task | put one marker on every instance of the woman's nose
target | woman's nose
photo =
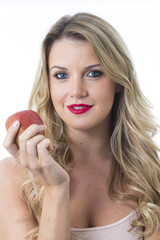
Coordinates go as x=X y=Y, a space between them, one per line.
x=78 y=89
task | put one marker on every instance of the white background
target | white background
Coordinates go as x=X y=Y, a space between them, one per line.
x=23 y=25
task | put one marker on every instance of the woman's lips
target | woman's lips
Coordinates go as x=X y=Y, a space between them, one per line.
x=79 y=108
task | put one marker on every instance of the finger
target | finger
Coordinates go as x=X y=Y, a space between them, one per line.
x=44 y=148
x=9 y=142
x=31 y=146
x=31 y=131
x=25 y=137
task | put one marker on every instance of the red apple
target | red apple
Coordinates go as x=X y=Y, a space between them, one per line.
x=26 y=118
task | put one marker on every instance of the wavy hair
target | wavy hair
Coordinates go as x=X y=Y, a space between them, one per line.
x=135 y=171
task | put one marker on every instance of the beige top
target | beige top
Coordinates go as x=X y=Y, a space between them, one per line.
x=117 y=230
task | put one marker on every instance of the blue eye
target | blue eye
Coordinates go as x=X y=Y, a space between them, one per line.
x=61 y=75
x=95 y=74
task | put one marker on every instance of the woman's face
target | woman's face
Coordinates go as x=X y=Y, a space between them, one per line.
x=81 y=92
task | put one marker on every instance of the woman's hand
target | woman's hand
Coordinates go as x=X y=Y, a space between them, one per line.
x=34 y=154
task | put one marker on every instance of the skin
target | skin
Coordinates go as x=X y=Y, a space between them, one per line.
x=79 y=84
x=73 y=81
x=77 y=198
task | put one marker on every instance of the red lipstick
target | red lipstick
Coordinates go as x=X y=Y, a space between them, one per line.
x=79 y=108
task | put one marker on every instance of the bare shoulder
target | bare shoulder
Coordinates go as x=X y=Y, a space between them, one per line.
x=15 y=217
x=9 y=165
x=12 y=173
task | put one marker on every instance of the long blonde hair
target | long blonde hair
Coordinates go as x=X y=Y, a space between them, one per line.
x=135 y=172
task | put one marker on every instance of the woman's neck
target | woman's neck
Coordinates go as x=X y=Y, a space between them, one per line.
x=89 y=146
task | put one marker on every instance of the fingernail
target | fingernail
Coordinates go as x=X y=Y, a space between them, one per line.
x=15 y=124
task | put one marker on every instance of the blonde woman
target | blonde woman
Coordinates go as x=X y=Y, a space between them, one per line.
x=96 y=173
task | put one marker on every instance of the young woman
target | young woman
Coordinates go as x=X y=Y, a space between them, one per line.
x=96 y=173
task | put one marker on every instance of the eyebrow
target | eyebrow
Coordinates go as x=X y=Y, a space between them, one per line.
x=63 y=68
x=88 y=67
x=94 y=65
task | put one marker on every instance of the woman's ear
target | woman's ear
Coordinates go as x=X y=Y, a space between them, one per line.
x=118 y=88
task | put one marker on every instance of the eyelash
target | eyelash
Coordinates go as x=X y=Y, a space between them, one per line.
x=62 y=75
x=96 y=72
